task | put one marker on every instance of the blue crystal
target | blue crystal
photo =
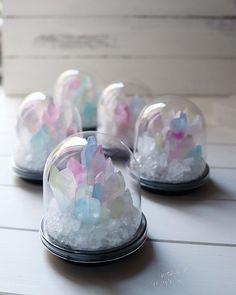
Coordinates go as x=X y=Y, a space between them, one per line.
x=179 y=124
x=88 y=210
x=40 y=141
x=88 y=151
x=98 y=192
x=197 y=152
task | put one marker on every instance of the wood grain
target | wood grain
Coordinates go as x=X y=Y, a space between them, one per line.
x=120 y=37
x=165 y=268
x=68 y=8
x=162 y=75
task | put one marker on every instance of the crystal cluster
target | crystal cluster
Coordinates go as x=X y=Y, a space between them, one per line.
x=79 y=89
x=168 y=152
x=118 y=114
x=90 y=208
x=41 y=126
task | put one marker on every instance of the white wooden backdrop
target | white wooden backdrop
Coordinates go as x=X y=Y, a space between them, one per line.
x=173 y=46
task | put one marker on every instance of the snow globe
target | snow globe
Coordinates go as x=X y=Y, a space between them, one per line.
x=92 y=210
x=41 y=125
x=118 y=109
x=82 y=90
x=170 y=146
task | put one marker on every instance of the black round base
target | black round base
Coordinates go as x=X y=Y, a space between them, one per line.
x=116 y=154
x=175 y=188
x=93 y=128
x=30 y=176
x=96 y=257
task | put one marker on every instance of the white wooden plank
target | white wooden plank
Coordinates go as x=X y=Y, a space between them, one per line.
x=169 y=218
x=190 y=218
x=123 y=7
x=162 y=75
x=221 y=134
x=117 y=37
x=229 y=108
x=221 y=155
x=21 y=207
x=222 y=185
x=7 y=175
x=158 y=268
x=8 y=144
x=205 y=104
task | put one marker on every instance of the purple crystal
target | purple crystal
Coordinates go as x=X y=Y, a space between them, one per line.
x=97 y=164
x=109 y=168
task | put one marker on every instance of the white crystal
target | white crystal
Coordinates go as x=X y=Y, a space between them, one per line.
x=71 y=232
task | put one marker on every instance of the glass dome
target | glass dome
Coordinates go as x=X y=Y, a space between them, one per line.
x=81 y=89
x=92 y=200
x=41 y=125
x=170 y=145
x=118 y=109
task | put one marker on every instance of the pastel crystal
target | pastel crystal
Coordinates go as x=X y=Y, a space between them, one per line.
x=77 y=169
x=97 y=164
x=92 y=195
x=169 y=152
x=41 y=125
x=178 y=126
x=87 y=210
x=68 y=181
x=121 y=115
x=80 y=90
x=118 y=113
x=40 y=146
x=57 y=188
x=88 y=151
x=98 y=192
x=52 y=114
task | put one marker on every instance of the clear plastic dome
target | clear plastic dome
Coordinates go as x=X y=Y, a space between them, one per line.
x=170 y=144
x=91 y=197
x=41 y=125
x=118 y=109
x=81 y=89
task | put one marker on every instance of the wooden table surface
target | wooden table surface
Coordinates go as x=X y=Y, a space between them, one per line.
x=191 y=247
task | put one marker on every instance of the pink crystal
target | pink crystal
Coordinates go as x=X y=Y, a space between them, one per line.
x=71 y=87
x=52 y=114
x=181 y=149
x=77 y=170
x=121 y=115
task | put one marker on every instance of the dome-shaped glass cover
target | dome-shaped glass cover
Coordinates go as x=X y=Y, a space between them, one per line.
x=41 y=125
x=170 y=141
x=82 y=90
x=118 y=109
x=91 y=195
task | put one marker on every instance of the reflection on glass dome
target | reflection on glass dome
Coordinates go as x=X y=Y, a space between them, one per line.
x=92 y=201
x=41 y=125
x=82 y=90
x=170 y=145
x=118 y=109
